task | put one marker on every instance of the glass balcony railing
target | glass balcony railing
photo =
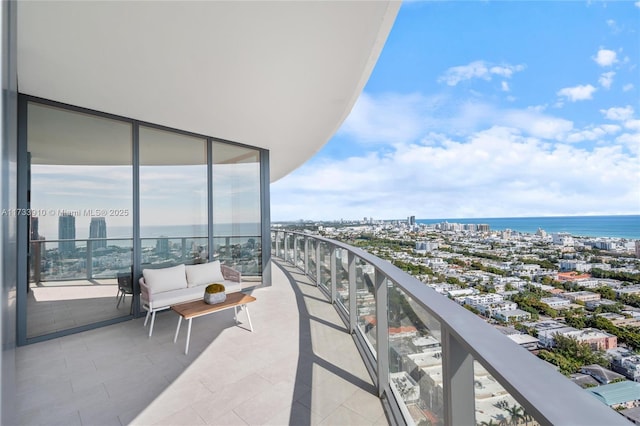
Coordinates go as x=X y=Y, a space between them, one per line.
x=434 y=362
x=96 y=258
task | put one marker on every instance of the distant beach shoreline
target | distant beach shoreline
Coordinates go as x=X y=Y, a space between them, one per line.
x=623 y=226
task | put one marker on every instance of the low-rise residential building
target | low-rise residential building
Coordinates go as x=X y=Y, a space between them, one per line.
x=483 y=299
x=601 y=374
x=556 y=302
x=582 y=296
x=618 y=395
x=574 y=265
x=596 y=339
x=588 y=283
x=512 y=315
x=562 y=239
x=631 y=289
x=625 y=362
x=571 y=276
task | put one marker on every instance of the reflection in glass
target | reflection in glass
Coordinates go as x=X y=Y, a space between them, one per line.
x=236 y=209
x=342 y=278
x=299 y=239
x=415 y=358
x=325 y=266
x=494 y=405
x=311 y=265
x=80 y=169
x=173 y=198
x=365 y=301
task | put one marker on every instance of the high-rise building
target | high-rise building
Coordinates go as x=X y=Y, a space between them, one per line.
x=34 y=229
x=411 y=220
x=162 y=245
x=67 y=231
x=98 y=229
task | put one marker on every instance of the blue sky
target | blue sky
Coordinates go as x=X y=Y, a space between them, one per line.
x=487 y=109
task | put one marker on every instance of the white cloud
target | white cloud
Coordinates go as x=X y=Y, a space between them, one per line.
x=618 y=113
x=633 y=125
x=606 y=79
x=615 y=29
x=593 y=133
x=605 y=57
x=477 y=69
x=505 y=86
x=391 y=118
x=577 y=93
x=492 y=173
x=637 y=4
x=627 y=87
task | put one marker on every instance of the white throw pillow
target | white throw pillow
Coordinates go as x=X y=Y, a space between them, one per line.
x=205 y=273
x=165 y=279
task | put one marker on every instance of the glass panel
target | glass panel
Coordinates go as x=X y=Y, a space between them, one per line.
x=415 y=358
x=237 y=217
x=243 y=253
x=80 y=229
x=274 y=243
x=173 y=198
x=342 y=278
x=166 y=251
x=494 y=405
x=366 y=302
x=311 y=253
x=299 y=261
x=291 y=253
x=325 y=266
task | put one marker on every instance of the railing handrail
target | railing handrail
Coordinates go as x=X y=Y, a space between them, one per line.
x=547 y=395
x=142 y=238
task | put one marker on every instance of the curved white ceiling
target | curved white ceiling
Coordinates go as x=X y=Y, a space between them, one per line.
x=276 y=75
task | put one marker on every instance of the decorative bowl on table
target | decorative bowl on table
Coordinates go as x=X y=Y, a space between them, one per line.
x=214 y=293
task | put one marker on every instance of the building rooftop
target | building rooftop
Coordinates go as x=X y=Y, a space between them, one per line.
x=617 y=393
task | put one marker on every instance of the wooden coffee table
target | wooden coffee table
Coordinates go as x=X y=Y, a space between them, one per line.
x=198 y=308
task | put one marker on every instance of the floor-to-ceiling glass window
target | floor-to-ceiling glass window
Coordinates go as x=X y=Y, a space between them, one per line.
x=236 y=209
x=84 y=170
x=80 y=219
x=173 y=198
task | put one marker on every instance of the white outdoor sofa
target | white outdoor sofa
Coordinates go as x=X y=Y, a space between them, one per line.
x=161 y=288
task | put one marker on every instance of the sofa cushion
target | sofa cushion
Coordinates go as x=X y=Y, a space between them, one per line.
x=165 y=279
x=173 y=297
x=205 y=273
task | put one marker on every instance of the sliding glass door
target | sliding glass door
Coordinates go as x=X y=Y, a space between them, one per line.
x=79 y=219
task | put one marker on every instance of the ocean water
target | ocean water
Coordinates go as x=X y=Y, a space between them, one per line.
x=624 y=226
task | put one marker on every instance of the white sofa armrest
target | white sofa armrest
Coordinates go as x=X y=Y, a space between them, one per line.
x=231 y=274
x=145 y=291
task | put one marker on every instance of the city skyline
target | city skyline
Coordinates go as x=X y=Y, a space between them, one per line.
x=486 y=109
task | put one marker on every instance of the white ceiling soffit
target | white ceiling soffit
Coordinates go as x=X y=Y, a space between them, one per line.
x=276 y=75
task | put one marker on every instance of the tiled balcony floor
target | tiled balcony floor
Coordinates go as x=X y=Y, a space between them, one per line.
x=298 y=367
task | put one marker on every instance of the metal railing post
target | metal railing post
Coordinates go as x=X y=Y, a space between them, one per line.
x=352 y=293
x=333 y=274
x=285 y=244
x=305 y=255
x=295 y=250
x=89 y=259
x=458 y=382
x=382 y=332
x=318 y=265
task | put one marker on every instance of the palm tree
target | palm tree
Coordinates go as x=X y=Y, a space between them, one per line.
x=489 y=423
x=516 y=414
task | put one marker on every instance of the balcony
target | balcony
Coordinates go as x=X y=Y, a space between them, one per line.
x=386 y=350
x=299 y=366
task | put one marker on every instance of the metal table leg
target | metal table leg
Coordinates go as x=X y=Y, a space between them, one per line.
x=175 y=338
x=186 y=347
x=246 y=309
